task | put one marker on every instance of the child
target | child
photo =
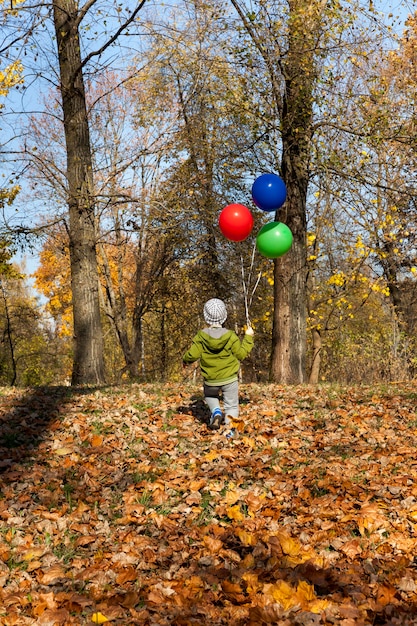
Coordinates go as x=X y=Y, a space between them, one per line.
x=219 y=351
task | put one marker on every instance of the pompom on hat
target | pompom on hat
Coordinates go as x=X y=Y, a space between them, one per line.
x=215 y=311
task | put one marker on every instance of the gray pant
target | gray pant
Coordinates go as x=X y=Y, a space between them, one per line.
x=230 y=393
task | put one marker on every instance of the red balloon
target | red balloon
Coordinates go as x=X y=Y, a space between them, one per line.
x=236 y=222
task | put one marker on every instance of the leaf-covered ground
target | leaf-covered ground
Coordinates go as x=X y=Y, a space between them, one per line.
x=119 y=505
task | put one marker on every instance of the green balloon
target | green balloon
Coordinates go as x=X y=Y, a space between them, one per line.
x=274 y=240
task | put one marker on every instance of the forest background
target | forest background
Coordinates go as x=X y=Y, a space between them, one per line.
x=186 y=105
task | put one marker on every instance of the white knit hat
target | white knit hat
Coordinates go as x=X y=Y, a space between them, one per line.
x=215 y=311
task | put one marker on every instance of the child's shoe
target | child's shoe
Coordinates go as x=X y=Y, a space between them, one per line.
x=216 y=420
x=232 y=434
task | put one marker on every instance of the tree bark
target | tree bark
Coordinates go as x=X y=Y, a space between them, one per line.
x=316 y=361
x=88 y=360
x=288 y=358
x=288 y=354
x=292 y=74
x=8 y=336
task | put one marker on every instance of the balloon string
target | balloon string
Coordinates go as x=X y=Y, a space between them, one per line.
x=251 y=263
x=254 y=289
x=248 y=304
x=245 y=292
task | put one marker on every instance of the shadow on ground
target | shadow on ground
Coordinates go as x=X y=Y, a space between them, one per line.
x=25 y=417
x=197 y=408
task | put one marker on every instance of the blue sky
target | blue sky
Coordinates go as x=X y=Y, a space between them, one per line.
x=23 y=102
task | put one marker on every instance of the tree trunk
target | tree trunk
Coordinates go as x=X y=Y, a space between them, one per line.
x=289 y=323
x=288 y=358
x=8 y=336
x=88 y=363
x=292 y=73
x=316 y=361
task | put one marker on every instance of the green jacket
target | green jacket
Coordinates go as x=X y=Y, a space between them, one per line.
x=220 y=352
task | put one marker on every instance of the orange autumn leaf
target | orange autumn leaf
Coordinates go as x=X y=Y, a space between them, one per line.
x=317 y=606
x=195 y=583
x=371 y=518
x=238 y=423
x=211 y=456
x=234 y=512
x=233 y=591
x=213 y=545
x=33 y=553
x=128 y=574
x=160 y=593
x=254 y=502
x=148 y=529
x=249 y=442
x=231 y=497
x=252 y=583
x=308 y=600
x=196 y=485
x=351 y=548
x=289 y=546
x=293 y=552
x=96 y=441
x=305 y=591
x=248 y=562
x=385 y=595
x=246 y=537
x=51 y=575
x=284 y=594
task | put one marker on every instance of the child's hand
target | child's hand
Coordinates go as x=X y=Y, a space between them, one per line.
x=249 y=331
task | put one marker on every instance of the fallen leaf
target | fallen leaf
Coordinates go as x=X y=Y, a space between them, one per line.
x=51 y=575
x=234 y=512
x=63 y=451
x=127 y=575
x=33 y=553
x=99 y=618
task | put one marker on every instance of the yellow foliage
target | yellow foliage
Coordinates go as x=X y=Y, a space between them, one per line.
x=337 y=279
x=289 y=597
x=252 y=583
x=10 y=76
x=10 y=6
x=52 y=279
x=8 y=195
x=210 y=456
x=284 y=594
x=234 y=512
x=246 y=537
x=318 y=606
x=305 y=591
x=232 y=497
x=289 y=546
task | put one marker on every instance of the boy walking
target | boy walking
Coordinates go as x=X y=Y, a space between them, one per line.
x=220 y=352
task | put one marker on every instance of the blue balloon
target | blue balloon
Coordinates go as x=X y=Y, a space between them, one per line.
x=269 y=192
